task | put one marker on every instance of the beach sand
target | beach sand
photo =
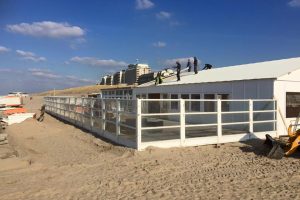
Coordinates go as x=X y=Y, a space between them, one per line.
x=55 y=160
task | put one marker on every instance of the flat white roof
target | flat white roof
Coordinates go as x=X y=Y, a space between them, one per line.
x=261 y=70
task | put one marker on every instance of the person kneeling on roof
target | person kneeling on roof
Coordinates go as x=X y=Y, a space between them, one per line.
x=207 y=66
x=158 y=78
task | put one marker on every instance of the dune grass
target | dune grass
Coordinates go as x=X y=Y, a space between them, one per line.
x=78 y=91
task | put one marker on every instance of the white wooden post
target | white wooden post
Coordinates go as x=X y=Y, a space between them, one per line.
x=275 y=117
x=103 y=113
x=63 y=107
x=182 y=122
x=75 y=110
x=82 y=111
x=250 y=116
x=92 y=113
x=117 y=117
x=139 y=124
x=219 y=118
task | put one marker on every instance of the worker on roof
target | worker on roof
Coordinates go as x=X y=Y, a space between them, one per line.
x=178 y=69
x=207 y=66
x=195 y=65
x=189 y=65
x=158 y=78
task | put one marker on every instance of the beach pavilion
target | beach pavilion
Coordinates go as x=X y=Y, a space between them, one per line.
x=219 y=105
x=278 y=79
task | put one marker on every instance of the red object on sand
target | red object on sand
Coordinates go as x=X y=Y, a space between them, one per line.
x=14 y=110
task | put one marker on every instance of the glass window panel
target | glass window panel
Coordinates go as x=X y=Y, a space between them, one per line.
x=203 y=131
x=128 y=133
x=187 y=103
x=165 y=120
x=261 y=127
x=236 y=117
x=201 y=119
x=174 y=104
x=235 y=129
x=292 y=104
x=209 y=106
x=160 y=134
x=195 y=105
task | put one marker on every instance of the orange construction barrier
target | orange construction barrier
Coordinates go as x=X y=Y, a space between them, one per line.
x=14 y=110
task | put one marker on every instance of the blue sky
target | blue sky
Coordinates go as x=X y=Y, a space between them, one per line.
x=59 y=44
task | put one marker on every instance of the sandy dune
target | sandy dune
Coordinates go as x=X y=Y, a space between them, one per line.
x=54 y=160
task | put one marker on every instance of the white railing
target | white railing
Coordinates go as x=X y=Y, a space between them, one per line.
x=168 y=122
x=110 y=118
x=219 y=121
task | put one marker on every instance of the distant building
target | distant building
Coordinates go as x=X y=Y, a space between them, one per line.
x=109 y=80
x=129 y=76
x=119 y=77
x=134 y=71
x=145 y=78
x=103 y=80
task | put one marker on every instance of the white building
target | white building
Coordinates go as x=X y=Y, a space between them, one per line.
x=278 y=80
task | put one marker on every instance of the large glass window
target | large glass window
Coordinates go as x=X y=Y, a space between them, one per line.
x=225 y=104
x=119 y=92
x=187 y=103
x=292 y=104
x=165 y=105
x=209 y=106
x=195 y=105
x=174 y=104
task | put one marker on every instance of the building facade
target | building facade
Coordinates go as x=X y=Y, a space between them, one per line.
x=134 y=71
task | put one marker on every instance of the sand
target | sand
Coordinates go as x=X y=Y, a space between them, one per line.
x=54 y=160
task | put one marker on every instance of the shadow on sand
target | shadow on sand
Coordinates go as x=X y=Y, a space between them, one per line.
x=85 y=130
x=258 y=147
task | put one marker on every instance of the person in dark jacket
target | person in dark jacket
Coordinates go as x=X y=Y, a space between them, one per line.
x=195 y=65
x=178 y=69
x=158 y=78
x=189 y=65
x=41 y=117
x=207 y=66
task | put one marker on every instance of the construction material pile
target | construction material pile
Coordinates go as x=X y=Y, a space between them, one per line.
x=12 y=110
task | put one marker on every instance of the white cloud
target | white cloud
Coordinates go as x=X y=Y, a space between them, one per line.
x=182 y=61
x=97 y=62
x=159 y=44
x=162 y=15
x=46 y=73
x=38 y=70
x=27 y=55
x=294 y=3
x=47 y=29
x=37 y=80
x=43 y=73
x=143 y=4
x=4 y=49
